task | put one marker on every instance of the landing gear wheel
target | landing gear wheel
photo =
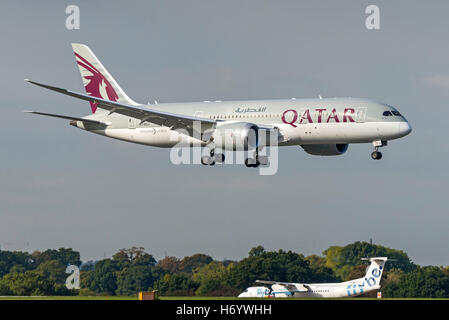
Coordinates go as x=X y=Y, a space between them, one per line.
x=218 y=157
x=252 y=163
x=376 y=155
x=263 y=160
x=206 y=160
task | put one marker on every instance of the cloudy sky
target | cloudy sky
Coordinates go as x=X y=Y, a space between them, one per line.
x=63 y=187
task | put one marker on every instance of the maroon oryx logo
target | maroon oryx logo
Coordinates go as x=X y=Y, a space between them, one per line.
x=98 y=85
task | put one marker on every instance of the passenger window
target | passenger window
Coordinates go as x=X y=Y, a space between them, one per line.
x=396 y=113
x=387 y=113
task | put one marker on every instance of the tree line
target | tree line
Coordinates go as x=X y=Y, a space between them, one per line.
x=132 y=270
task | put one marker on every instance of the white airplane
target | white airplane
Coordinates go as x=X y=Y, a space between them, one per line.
x=320 y=126
x=370 y=282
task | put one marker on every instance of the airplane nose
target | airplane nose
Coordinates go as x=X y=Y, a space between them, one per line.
x=404 y=128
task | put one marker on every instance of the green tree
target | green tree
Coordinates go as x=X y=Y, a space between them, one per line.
x=64 y=255
x=333 y=257
x=256 y=251
x=134 y=256
x=278 y=266
x=103 y=279
x=170 y=264
x=357 y=272
x=17 y=268
x=342 y=259
x=211 y=279
x=319 y=271
x=54 y=272
x=134 y=279
x=176 y=285
x=26 y=284
x=423 y=282
x=194 y=261
x=85 y=280
x=16 y=261
x=4 y=288
x=316 y=261
x=213 y=270
x=88 y=265
x=390 y=281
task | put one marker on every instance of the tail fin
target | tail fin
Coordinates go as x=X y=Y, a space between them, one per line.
x=97 y=81
x=375 y=270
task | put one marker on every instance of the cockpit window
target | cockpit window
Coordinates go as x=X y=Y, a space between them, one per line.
x=396 y=113
x=387 y=113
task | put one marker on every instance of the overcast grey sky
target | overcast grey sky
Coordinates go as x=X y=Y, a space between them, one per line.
x=60 y=186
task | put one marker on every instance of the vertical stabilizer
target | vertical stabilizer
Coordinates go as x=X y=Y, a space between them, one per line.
x=374 y=272
x=97 y=81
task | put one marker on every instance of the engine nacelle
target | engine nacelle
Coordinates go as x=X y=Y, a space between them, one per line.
x=325 y=149
x=236 y=136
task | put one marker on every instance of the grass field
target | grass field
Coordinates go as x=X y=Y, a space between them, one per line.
x=83 y=298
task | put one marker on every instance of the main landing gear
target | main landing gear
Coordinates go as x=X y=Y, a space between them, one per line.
x=256 y=161
x=253 y=162
x=377 y=155
x=213 y=158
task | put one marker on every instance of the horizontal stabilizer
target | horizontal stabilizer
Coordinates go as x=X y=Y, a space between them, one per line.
x=172 y=120
x=377 y=258
x=67 y=117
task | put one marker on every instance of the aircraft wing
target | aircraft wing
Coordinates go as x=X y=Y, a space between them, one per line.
x=168 y=119
x=288 y=285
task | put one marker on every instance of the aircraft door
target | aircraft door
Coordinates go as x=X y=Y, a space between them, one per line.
x=360 y=115
x=199 y=114
x=132 y=123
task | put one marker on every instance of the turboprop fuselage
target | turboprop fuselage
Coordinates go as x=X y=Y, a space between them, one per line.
x=369 y=282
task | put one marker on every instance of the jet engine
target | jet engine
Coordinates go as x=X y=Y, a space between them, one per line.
x=325 y=149
x=236 y=136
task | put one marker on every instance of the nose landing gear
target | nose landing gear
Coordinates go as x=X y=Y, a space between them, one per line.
x=377 y=155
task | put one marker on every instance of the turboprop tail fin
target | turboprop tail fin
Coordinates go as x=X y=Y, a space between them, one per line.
x=375 y=270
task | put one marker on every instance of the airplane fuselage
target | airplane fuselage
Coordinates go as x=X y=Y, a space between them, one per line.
x=300 y=121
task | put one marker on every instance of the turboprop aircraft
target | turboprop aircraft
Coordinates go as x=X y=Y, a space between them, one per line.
x=274 y=289
x=321 y=126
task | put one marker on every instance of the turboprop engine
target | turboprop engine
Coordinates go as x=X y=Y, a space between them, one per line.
x=325 y=149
